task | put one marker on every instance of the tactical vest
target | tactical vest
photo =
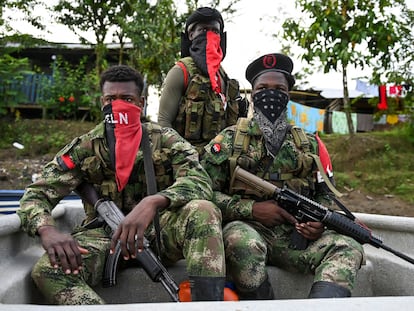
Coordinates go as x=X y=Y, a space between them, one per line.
x=98 y=172
x=202 y=113
x=307 y=160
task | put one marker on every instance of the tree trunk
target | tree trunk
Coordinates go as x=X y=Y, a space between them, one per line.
x=347 y=103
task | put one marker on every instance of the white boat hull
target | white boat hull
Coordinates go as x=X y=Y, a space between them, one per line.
x=385 y=279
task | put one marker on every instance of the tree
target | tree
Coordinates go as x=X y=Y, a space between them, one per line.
x=93 y=15
x=13 y=70
x=155 y=38
x=12 y=73
x=25 y=6
x=155 y=32
x=152 y=27
x=340 y=33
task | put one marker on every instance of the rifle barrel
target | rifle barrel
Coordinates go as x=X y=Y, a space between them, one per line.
x=397 y=253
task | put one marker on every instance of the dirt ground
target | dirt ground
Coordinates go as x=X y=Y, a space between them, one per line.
x=16 y=173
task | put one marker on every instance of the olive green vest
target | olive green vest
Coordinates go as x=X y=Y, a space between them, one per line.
x=202 y=113
x=306 y=158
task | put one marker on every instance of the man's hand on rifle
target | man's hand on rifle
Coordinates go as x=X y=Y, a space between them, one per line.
x=311 y=230
x=63 y=250
x=270 y=214
x=130 y=231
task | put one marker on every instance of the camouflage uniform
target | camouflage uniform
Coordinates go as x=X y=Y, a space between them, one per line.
x=191 y=225
x=250 y=245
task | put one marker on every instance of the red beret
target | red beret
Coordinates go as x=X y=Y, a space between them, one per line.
x=271 y=62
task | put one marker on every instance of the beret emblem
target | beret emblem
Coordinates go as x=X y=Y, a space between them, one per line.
x=269 y=61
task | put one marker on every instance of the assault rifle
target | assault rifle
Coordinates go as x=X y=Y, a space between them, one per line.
x=109 y=213
x=304 y=209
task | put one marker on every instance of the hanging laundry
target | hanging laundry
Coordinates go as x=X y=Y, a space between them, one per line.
x=340 y=122
x=365 y=122
x=309 y=118
x=366 y=88
x=395 y=90
x=392 y=119
x=382 y=105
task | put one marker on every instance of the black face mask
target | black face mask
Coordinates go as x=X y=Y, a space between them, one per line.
x=271 y=103
x=206 y=52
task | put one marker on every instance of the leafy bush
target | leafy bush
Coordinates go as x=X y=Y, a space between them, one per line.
x=12 y=71
x=70 y=88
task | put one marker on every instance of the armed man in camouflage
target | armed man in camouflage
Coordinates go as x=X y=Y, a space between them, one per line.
x=198 y=99
x=257 y=230
x=111 y=158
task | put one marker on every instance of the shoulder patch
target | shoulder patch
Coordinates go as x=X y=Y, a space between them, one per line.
x=64 y=158
x=215 y=153
x=65 y=162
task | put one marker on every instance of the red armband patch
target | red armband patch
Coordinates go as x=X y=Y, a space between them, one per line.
x=66 y=162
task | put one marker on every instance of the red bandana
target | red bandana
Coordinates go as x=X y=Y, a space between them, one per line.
x=214 y=56
x=128 y=134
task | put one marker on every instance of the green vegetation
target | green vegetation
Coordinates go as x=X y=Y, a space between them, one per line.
x=40 y=137
x=376 y=162
x=341 y=34
x=12 y=73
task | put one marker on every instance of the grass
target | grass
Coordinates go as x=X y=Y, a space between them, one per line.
x=375 y=162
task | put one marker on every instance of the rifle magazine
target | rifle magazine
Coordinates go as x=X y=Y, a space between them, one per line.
x=111 y=267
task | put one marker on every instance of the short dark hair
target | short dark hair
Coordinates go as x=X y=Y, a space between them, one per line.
x=122 y=73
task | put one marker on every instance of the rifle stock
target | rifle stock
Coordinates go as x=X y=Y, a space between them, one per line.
x=305 y=209
x=112 y=215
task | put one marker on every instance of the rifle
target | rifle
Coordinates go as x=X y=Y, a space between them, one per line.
x=304 y=209
x=109 y=213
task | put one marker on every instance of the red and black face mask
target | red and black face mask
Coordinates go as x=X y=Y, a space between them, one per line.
x=123 y=134
x=207 y=54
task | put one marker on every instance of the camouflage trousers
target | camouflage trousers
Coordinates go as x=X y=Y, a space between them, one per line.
x=193 y=232
x=251 y=246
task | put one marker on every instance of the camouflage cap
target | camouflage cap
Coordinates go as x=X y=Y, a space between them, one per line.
x=271 y=62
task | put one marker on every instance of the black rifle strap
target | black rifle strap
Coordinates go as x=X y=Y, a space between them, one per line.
x=151 y=183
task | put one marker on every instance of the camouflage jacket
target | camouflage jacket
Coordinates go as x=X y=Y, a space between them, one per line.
x=291 y=167
x=179 y=175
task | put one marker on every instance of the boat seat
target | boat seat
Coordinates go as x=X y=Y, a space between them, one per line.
x=287 y=285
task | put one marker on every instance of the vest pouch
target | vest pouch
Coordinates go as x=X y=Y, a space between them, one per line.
x=233 y=96
x=232 y=112
x=305 y=164
x=195 y=98
x=300 y=185
x=193 y=120
x=179 y=122
x=213 y=119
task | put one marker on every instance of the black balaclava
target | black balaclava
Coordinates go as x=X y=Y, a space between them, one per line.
x=207 y=55
x=204 y=14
